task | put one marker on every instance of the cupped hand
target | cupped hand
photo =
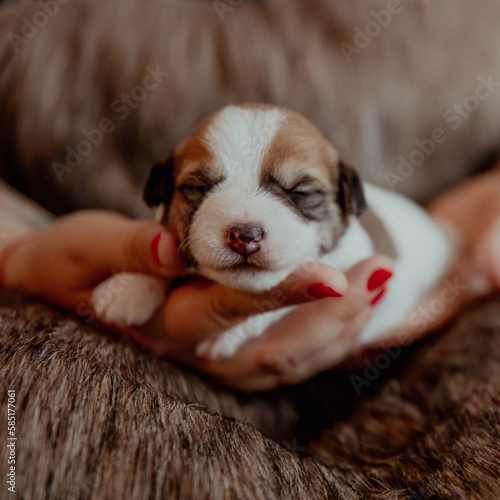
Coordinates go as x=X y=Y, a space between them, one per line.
x=315 y=336
x=64 y=263
x=471 y=211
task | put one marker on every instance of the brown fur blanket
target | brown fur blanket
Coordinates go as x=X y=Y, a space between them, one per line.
x=378 y=105
x=98 y=418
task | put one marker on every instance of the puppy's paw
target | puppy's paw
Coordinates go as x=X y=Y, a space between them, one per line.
x=217 y=349
x=222 y=347
x=128 y=299
x=229 y=342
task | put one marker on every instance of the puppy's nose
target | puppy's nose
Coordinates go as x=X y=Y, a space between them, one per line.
x=244 y=239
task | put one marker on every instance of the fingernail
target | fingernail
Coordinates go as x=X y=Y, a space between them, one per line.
x=154 y=249
x=378 y=296
x=319 y=291
x=163 y=249
x=378 y=278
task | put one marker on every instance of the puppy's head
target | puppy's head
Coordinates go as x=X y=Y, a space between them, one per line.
x=252 y=193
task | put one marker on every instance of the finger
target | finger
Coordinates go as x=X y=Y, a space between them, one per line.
x=435 y=309
x=307 y=283
x=151 y=248
x=336 y=351
x=488 y=250
x=317 y=336
x=218 y=308
x=308 y=340
x=251 y=377
x=110 y=241
x=365 y=278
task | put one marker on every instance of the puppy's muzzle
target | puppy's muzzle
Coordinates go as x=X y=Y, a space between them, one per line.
x=245 y=238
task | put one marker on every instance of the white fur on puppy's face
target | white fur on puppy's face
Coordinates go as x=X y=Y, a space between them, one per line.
x=287 y=243
x=244 y=150
x=238 y=140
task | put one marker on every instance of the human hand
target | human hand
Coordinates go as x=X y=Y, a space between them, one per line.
x=473 y=209
x=315 y=336
x=64 y=263
x=472 y=212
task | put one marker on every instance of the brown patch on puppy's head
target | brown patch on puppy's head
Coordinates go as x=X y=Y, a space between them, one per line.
x=255 y=170
x=181 y=180
x=300 y=157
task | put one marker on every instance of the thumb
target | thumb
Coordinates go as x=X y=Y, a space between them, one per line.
x=112 y=241
x=150 y=247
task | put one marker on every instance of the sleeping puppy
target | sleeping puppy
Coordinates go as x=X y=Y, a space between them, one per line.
x=254 y=192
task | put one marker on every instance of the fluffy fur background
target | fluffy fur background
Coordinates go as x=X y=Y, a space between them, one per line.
x=373 y=107
x=97 y=419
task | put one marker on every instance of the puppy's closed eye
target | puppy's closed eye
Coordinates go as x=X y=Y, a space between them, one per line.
x=195 y=187
x=309 y=200
x=304 y=195
x=195 y=191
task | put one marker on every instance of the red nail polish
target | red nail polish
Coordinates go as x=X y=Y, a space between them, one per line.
x=378 y=296
x=154 y=249
x=378 y=278
x=319 y=291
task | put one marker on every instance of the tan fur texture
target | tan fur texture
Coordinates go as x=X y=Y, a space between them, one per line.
x=372 y=106
x=96 y=418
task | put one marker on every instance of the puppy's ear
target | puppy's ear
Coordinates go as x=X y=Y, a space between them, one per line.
x=351 y=196
x=160 y=184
